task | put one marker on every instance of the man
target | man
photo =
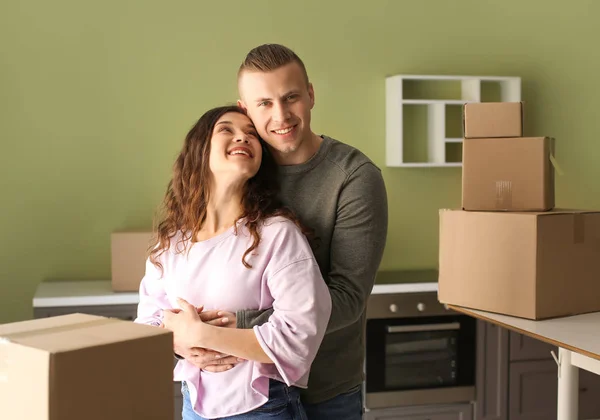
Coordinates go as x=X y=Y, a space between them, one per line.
x=335 y=190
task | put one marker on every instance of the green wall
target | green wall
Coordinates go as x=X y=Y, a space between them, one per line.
x=95 y=98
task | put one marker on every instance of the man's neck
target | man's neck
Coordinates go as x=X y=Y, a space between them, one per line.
x=308 y=149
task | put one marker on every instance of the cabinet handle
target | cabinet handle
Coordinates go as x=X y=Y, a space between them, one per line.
x=583 y=389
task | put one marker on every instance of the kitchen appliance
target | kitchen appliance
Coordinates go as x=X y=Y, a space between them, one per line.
x=417 y=350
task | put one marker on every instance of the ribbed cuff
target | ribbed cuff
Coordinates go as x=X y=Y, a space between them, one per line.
x=240 y=317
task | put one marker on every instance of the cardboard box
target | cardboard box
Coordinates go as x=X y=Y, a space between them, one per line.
x=493 y=119
x=524 y=264
x=80 y=366
x=508 y=174
x=128 y=259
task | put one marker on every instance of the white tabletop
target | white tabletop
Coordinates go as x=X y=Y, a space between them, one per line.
x=578 y=333
x=99 y=292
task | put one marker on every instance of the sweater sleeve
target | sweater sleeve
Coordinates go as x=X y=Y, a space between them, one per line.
x=301 y=310
x=153 y=297
x=357 y=244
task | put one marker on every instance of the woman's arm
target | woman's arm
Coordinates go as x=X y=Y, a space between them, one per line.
x=152 y=297
x=301 y=310
x=190 y=331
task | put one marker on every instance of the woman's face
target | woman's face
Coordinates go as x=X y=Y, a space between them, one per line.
x=235 y=151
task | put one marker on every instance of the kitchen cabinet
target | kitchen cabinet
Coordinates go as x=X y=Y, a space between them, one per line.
x=516 y=378
x=532 y=390
x=433 y=412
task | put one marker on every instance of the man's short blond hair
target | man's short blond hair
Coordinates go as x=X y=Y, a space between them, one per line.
x=269 y=57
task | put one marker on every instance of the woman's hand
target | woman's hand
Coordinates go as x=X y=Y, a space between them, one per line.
x=186 y=325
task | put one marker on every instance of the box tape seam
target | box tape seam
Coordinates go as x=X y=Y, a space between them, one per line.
x=8 y=338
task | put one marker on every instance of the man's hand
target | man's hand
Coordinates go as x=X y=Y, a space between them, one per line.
x=211 y=361
x=219 y=318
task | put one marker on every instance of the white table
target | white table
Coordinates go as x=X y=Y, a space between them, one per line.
x=578 y=341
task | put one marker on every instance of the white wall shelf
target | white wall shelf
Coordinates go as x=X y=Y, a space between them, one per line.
x=402 y=93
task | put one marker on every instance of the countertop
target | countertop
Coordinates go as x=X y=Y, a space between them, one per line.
x=99 y=292
x=405 y=281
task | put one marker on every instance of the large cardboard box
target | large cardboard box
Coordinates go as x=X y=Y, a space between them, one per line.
x=531 y=265
x=508 y=174
x=128 y=259
x=80 y=366
x=493 y=119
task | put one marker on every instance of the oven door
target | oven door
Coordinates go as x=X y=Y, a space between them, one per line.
x=424 y=360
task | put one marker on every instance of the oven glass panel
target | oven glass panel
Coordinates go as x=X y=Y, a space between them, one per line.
x=417 y=359
x=420 y=353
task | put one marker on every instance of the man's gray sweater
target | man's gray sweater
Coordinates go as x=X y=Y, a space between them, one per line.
x=340 y=194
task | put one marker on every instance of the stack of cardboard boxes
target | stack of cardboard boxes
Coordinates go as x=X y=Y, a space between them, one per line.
x=508 y=250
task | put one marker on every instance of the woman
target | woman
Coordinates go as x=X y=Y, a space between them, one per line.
x=227 y=243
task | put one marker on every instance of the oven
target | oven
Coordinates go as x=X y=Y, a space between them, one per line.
x=417 y=352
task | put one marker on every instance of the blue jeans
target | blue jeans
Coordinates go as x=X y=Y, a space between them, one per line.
x=283 y=404
x=346 y=406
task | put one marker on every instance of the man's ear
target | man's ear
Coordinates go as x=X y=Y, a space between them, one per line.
x=242 y=105
x=311 y=95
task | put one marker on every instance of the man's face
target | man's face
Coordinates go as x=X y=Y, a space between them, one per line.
x=279 y=103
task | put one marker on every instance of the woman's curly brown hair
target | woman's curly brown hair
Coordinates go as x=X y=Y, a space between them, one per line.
x=188 y=193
